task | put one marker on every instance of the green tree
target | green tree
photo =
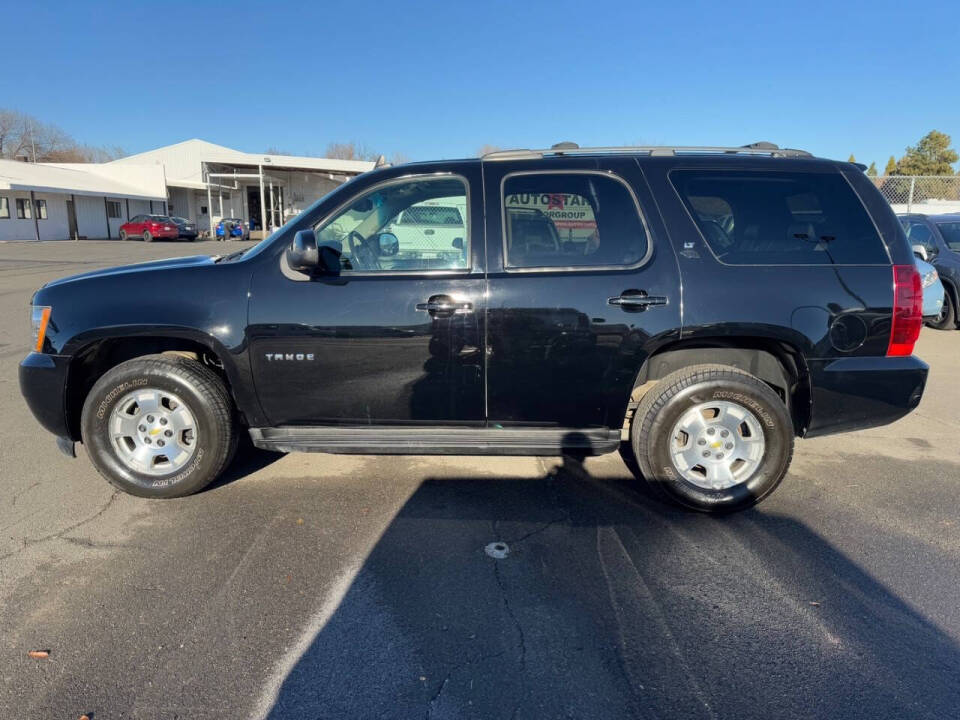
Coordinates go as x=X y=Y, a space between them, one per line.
x=891 y=168
x=931 y=156
x=872 y=170
x=851 y=159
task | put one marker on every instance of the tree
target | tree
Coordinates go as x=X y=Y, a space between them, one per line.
x=872 y=170
x=22 y=136
x=488 y=148
x=350 y=151
x=851 y=159
x=931 y=156
x=891 y=168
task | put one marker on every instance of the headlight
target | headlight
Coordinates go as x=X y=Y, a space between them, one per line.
x=39 y=317
x=930 y=278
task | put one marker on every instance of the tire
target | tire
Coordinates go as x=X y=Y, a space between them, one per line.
x=671 y=402
x=147 y=237
x=947 y=319
x=183 y=384
x=123 y=236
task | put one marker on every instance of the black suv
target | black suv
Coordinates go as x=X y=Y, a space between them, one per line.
x=694 y=308
x=936 y=239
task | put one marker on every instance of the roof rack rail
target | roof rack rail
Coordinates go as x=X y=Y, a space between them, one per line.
x=568 y=148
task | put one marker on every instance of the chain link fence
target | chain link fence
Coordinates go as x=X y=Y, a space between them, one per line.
x=928 y=194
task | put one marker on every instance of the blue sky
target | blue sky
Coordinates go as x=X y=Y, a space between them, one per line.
x=437 y=80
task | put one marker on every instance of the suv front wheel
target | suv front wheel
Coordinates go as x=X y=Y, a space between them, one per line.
x=712 y=438
x=159 y=426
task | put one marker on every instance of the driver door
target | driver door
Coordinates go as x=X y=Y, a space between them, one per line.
x=392 y=337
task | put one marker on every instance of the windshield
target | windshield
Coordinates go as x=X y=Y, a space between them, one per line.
x=180 y=220
x=951 y=234
x=160 y=218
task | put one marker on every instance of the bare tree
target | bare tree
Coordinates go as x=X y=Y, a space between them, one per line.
x=23 y=136
x=350 y=151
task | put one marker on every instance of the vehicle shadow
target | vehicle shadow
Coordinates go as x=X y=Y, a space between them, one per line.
x=247 y=460
x=610 y=604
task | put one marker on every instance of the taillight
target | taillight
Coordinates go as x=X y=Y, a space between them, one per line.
x=907 y=310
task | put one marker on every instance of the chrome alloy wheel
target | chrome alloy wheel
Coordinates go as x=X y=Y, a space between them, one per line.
x=153 y=431
x=716 y=445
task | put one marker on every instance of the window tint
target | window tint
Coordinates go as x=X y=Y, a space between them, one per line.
x=4 y=208
x=571 y=220
x=951 y=234
x=413 y=226
x=787 y=218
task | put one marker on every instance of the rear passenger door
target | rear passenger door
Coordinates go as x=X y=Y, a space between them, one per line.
x=580 y=288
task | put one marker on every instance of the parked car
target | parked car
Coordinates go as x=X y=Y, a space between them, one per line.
x=936 y=239
x=696 y=310
x=149 y=228
x=235 y=228
x=933 y=291
x=187 y=228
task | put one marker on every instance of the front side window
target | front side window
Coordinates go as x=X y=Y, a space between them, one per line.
x=570 y=220
x=951 y=234
x=41 y=209
x=23 y=209
x=4 y=208
x=412 y=225
x=780 y=218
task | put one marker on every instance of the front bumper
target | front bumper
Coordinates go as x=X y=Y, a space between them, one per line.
x=43 y=383
x=863 y=392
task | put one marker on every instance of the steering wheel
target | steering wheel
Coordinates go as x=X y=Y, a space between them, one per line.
x=361 y=252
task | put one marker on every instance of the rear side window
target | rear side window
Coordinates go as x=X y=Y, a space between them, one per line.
x=573 y=220
x=780 y=218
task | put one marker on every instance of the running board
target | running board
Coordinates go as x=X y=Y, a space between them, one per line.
x=380 y=440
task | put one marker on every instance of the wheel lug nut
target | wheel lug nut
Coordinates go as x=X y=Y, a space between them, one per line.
x=706 y=453
x=729 y=446
x=710 y=431
x=160 y=443
x=149 y=418
x=701 y=441
x=147 y=440
x=163 y=421
x=723 y=433
x=142 y=428
x=719 y=455
x=169 y=433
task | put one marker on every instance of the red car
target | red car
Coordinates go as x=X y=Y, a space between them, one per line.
x=150 y=227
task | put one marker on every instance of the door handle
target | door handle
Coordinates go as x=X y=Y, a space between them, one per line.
x=443 y=304
x=637 y=300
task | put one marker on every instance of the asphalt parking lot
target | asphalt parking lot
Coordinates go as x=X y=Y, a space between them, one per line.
x=309 y=586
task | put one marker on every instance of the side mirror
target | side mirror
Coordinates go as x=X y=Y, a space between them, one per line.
x=389 y=244
x=458 y=243
x=920 y=251
x=302 y=253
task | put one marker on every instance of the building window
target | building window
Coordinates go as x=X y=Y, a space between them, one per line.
x=41 y=209
x=4 y=208
x=114 y=210
x=203 y=209
x=23 y=209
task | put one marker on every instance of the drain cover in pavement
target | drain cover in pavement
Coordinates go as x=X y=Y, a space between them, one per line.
x=497 y=550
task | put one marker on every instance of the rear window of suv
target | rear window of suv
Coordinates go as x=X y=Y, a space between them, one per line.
x=780 y=218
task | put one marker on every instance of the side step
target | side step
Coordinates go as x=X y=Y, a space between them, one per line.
x=382 y=440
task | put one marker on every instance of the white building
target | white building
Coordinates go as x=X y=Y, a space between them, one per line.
x=194 y=179
x=207 y=182
x=50 y=202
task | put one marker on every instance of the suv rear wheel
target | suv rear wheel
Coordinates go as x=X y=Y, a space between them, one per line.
x=712 y=438
x=159 y=426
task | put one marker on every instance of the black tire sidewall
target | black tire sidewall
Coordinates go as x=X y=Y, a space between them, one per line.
x=103 y=398
x=949 y=321
x=147 y=237
x=777 y=434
